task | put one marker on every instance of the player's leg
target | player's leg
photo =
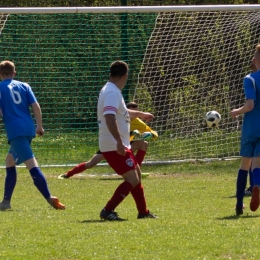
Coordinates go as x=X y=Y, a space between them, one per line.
x=126 y=167
x=255 y=200
x=97 y=158
x=248 y=191
x=10 y=182
x=241 y=183
x=22 y=152
x=251 y=179
x=141 y=147
x=139 y=198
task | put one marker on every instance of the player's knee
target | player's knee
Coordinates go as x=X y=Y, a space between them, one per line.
x=132 y=177
x=145 y=145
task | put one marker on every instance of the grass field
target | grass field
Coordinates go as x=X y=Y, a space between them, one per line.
x=56 y=148
x=194 y=202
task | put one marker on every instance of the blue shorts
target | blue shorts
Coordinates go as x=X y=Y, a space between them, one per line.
x=250 y=148
x=20 y=148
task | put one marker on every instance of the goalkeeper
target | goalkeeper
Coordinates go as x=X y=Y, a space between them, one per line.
x=138 y=128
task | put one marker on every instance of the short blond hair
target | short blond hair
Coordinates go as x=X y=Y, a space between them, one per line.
x=7 y=68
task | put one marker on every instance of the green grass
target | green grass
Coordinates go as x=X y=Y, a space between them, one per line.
x=195 y=203
x=56 y=148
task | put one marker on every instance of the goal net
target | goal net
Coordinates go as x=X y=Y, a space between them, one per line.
x=183 y=63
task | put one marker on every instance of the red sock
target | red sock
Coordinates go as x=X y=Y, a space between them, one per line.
x=120 y=194
x=77 y=169
x=138 y=195
x=140 y=156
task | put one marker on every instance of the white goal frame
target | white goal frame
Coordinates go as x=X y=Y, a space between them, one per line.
x=128 y=9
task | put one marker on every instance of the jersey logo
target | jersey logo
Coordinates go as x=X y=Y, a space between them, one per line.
x=129 y=162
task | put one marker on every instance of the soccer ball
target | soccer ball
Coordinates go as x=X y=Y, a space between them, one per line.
x=213 y=118
x=147 y=135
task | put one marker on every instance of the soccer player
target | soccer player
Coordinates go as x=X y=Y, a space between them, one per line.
x=136 y=145
x=248 y=191
x=250 y=137
x=114 y=143
x=15 y=99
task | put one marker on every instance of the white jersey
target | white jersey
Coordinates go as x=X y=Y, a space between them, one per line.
x=111 y=101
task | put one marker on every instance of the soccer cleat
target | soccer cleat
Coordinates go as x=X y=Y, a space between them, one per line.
x=255 y=201
x=239 y=211
x=248 y=192
x=63 y=176
x=110 y=215
x=136 y=133
x=5 y=206
x=147 y=215
x=55 y=203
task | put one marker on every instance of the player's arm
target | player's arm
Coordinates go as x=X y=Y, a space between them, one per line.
x=250 y=95
x=155 y=135
x=143 y=115
x=113 y=128
x=142 y=127
x=38 y=117
x=248 y=106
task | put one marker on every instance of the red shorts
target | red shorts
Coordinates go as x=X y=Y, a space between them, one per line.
x=121 y=164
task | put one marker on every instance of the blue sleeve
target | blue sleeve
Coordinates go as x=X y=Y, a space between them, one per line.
x=30 y=95
x=249 y=89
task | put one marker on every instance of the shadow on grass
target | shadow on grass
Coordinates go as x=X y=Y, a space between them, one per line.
x=110 y=179
x=237 y=217
x=100 y=221
x=230 y=197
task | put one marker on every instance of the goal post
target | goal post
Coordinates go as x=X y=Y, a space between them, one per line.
x=184 y=61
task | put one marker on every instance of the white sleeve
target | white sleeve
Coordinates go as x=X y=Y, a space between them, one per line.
x=112 y=101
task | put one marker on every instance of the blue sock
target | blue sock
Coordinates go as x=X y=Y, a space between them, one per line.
x=40 y=182
x=241 y=186
x=10 y=182
x=251 y=180
x=256 y=176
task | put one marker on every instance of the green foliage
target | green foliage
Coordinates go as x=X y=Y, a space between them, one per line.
x=66 y=59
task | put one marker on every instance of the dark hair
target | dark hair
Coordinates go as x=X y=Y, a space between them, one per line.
x=132 y=105
x=118 y=69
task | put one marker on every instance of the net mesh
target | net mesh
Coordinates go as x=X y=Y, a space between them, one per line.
x=66 y=58
x=181 y=66
x=194 y=63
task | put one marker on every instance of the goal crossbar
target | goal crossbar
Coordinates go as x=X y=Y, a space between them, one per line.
x=129 y=9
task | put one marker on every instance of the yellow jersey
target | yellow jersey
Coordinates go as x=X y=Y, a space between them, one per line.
x=141 y=126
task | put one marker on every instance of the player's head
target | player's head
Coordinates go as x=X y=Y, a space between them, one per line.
x=119 y=73
x=252 y=65
x=118 y=69
x=132 y=106
x=7 y=69
x=256 y=59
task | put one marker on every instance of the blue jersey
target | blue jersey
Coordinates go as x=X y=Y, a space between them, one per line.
x=251 y=122
x=15 y=99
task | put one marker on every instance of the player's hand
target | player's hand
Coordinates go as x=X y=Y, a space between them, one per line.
x=121 y=149
x=148 y=117
x=39 y=131
x=234 y=113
